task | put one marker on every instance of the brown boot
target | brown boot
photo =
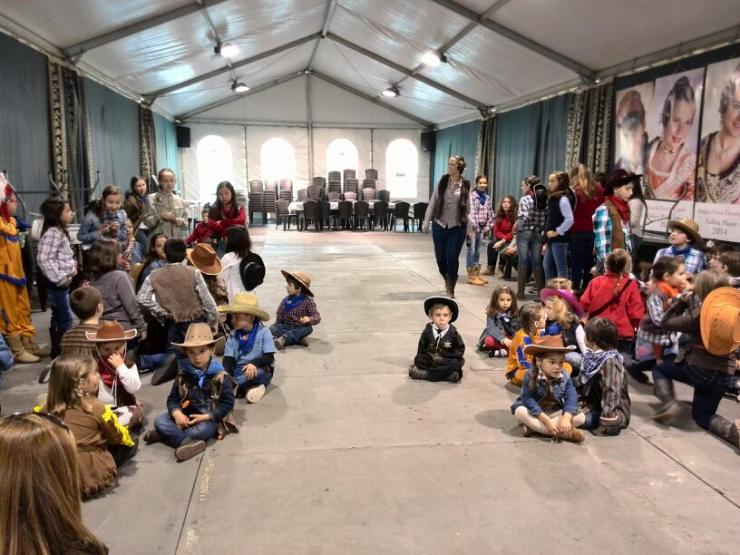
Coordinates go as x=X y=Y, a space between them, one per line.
x=473 y=278
x=478 y=274
x=575 y=435
x=20 y=354
x=488 y=271
x=29 y=342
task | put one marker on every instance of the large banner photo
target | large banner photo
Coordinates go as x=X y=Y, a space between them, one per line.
x=718 y=165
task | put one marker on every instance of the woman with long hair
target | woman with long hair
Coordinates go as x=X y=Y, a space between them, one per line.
x=225 y=213
x=139 y=211
x=589 y=196
x=502 y=237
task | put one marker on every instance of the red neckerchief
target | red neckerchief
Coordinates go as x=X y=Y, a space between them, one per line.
x=107 y=372
x=621 y=206
x=227 y=210
x=668 y=290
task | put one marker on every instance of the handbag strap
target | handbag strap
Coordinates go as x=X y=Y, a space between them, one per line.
x=594 y=313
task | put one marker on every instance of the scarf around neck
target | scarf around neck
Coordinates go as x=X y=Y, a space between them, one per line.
x=621 y=206
x=668 y=290
x=593 y=361
x=246 y=338
x=292 y=301
x=482 y=197
x=200 y=375
x=680 y=252
x=107 y=373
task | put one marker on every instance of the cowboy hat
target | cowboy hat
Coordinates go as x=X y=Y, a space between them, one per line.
x=620 y=178
x=300 y=277
x=689 y=227
x=567 y=296
x=109 y=330
x=431 y=301
x=719 y=321
x=198 y=335
x=548 y=344
x=245 y=303
x=252 y=271
x=203 y=257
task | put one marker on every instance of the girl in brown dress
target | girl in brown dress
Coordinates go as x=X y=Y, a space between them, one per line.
x=103 y=444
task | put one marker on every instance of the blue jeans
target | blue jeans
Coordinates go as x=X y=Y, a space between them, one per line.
x=529 y=250
x=61 y=314
x=291 y=335
x=556 y=260
x=148 y=362
x=581 y=258
x=174 y=436
x=142 y=242
x=261 y=377
x=448 y=243
x=473 y=258
x=709 y=387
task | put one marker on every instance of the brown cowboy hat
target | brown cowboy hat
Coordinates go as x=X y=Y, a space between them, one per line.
x=689 y=227
x=198 y=335
x=109 y=330
x=300 y=277
x=245 y=303
x=548 y=344
x=620 y=178
x=719 y=321
x=203 y=257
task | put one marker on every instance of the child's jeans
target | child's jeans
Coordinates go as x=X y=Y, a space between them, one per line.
x=534 y=423
x=473 y=256
x=174 y=436
x=556 y=260
x=291 y=334
x=261 y=377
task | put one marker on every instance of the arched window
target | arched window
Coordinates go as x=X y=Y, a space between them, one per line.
x=277 y=159
x=214 y=165
x=401 y=168
x=341 y=155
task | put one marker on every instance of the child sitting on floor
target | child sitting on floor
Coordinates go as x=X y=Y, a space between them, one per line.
x=103 y=443
x=201 y=400
x=118 y=381
x=564 y=314
x=439 y=356
x=297 y=313
x=201 y=233
x=249 y=355
x=602 y=381
x=87 y=305
x=532 y=319
x=548 y=403
x=501 y=322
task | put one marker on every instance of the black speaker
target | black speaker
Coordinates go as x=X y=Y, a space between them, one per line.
x=428 y=141
x=183 y=137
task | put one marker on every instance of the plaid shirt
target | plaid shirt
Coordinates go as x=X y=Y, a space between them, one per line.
x=603 y=233
x=693 y=260
x=529 y=218
x=650 y=329
x=292 y=316
x=480 y=215
x=55 y=256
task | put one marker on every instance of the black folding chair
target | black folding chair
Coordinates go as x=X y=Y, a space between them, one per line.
x=420 y=212
x=362 y=209
x=310 y=214
x=401 y=213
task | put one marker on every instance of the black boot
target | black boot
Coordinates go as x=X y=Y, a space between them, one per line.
x=56 y=342
x=451 y=287
x=721 y=427
x=521 y=283
x=663 y=390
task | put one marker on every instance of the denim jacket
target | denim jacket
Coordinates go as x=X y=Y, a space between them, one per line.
x=200 y=399
x=563 y=393
x=89 y=231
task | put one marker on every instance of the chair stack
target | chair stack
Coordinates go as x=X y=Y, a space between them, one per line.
x=351 y=186
x=368 y=193
x=371 y=173
x=255 y=199
x=335 y=176
x=335 y=187
x=269 y=201
x=320 y=181
x=384 y=195
x=285 y=190
x=302 y=194
x=314 y=192
x=349 y=174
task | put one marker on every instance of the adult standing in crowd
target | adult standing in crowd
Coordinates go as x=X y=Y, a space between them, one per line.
x=612 y=218
x=139 y=211
x=170 y=214
x=529 y=229
x=225 y=213
x=448 y=207
x=589 y=195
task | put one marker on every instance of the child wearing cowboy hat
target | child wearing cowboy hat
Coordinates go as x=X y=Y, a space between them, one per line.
x=548 y=403
x=710 y=317
x=564 y=314
x=684 y=239
x=201 y=400
x=297 y=313
x=439 y=356
x=249 y=355
x=205 y=259
x=118 y=381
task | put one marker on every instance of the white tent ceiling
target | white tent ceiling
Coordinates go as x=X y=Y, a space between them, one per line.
x=499 y=52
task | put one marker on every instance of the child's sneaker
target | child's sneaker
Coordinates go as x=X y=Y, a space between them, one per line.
x=575 y=435
x=417 y=373
x=256 y=393
x=280 y=343
x=152 y=436
x=454 y=377
x=528 y=432
x=189 y=448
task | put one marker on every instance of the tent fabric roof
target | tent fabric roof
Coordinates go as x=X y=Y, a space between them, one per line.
x=498 y=51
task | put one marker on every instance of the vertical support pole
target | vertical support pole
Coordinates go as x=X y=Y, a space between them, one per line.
x=309 y=112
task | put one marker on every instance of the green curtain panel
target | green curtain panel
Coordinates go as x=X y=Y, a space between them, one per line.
x=553 y=130
x=516 y=148
x=460 y=139
x=166 y=144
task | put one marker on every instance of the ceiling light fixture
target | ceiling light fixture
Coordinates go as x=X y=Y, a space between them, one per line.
x=390 y=92
x=430 y=59
x=229 y=50
x=239 y=87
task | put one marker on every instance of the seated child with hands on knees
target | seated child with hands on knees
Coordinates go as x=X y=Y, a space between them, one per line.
x=532 y=319
x=297 y=313
x=602 y=381
x=249 y=355
x=201 y=400
x=439 y=356
x=103 y=443
x=548 y=403
x=501 y=322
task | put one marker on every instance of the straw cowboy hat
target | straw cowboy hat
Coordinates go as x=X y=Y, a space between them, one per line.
x=198 y=335
x=567 y=296
x=203 y=257
x=548 y=344
x=109 y=330
x=689 y=227
x=431 y=301
x=300 y=277
x=245 y=303
x=719 y=321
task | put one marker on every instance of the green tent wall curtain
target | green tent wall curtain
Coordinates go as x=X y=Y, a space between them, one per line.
x=166 y=144
x=459 y=139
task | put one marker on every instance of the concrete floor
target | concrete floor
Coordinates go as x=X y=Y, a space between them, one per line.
x=345 y=454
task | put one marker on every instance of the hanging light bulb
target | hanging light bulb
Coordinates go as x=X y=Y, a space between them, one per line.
x=239 y=87
x=229 y=50
x=390 y=92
